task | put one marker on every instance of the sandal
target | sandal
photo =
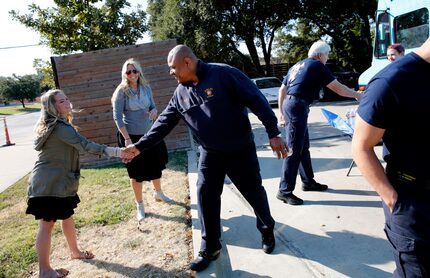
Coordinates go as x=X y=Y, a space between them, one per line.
x=85 y=255
x=62 y=272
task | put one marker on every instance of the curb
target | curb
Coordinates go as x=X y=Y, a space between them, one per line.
x=215 y=269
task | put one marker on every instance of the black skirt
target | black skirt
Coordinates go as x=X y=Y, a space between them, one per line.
x=149 y=164
x=52 y=208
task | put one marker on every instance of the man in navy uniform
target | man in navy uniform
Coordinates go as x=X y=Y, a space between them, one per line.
x=299 y=89
x=212 y=99
x=395 y=108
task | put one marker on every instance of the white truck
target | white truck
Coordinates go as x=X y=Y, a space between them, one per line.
x=397 y=21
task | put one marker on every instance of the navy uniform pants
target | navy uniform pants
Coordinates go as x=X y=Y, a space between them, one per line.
x=408 y=226
x=244 y=171
x=296 y=111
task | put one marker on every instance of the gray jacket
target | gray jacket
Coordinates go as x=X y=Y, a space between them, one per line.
x=57 y=170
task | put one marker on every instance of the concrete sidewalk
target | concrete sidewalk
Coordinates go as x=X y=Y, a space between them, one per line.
x=337 y=233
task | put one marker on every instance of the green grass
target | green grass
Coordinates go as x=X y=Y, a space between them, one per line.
x=18 y=232
x=105 y=200
x=12 y=110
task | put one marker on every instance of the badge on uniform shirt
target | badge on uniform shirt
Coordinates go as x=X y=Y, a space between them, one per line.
x=209 y=92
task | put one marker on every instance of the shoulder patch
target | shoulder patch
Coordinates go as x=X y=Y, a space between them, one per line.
x=209 y=92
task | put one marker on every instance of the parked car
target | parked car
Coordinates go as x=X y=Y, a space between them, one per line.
x=346 y=77
x=269 y=87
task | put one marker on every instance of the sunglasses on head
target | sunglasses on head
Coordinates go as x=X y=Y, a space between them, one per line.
x=131 y=71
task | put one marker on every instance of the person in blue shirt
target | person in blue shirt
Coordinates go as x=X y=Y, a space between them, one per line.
x=212 y=99
x=300 y=88
x=395 y=109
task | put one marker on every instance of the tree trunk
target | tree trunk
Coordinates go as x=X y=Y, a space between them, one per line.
x=254 y=55
x=367 y=38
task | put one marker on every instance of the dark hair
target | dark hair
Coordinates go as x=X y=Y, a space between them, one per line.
x=398 y=47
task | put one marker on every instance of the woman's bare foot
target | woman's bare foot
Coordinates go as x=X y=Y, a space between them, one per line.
x=57 y=273
x=82 y=255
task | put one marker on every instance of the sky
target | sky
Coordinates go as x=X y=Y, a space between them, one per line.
x=18 y=60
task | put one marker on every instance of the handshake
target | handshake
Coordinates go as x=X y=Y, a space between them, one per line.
x=126 y=154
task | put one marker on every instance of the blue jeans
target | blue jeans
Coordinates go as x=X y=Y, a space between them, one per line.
x=296 y=111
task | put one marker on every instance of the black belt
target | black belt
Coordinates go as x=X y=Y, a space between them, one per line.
x=298 y=98
x=414 y=182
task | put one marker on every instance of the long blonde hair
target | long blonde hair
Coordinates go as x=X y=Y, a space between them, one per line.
x=124 y=85
x=49 y=113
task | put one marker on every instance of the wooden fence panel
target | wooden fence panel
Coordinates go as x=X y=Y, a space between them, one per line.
x=89 y=80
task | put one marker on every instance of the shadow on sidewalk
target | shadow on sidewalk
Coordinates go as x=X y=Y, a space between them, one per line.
x=345 y=252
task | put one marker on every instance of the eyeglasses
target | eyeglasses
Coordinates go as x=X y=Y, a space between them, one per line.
x=131 y=71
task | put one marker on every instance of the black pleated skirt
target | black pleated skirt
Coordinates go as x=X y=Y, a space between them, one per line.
x=52 y=208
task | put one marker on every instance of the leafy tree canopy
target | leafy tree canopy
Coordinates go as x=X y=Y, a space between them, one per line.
x=45 y=74
x=20 y=88
x=190 y=23
x=347 y=25
x=213 y=28
x=80 y=25
x=295 y=39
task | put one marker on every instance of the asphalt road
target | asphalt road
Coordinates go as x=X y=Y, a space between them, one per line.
x=17 y=160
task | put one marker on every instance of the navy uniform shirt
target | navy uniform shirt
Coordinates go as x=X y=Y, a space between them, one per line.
x=397 y=99
x=306 y=78
x=215 y=110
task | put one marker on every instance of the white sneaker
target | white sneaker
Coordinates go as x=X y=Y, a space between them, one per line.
x=160 y=197
x=140 y=211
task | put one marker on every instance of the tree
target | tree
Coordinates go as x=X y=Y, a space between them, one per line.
x=295 y=39
x=45 y=74
x=78 y=25
x=347 y=24
x=344 y=25
x=20 y=88
x=228 y=23
x=2 y=83
x=190 y=23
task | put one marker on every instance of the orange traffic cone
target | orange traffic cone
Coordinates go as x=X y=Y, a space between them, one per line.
x=6 y=132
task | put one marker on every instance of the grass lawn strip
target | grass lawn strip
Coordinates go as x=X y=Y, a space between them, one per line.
x=106 y=225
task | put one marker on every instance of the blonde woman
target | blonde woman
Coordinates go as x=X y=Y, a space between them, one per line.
x=134 y=112
x=54 y=180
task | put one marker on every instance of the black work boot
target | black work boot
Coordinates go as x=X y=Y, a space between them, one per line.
x=268 y=242
x=314 y=186
x=203 y=260
x=289 y=198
